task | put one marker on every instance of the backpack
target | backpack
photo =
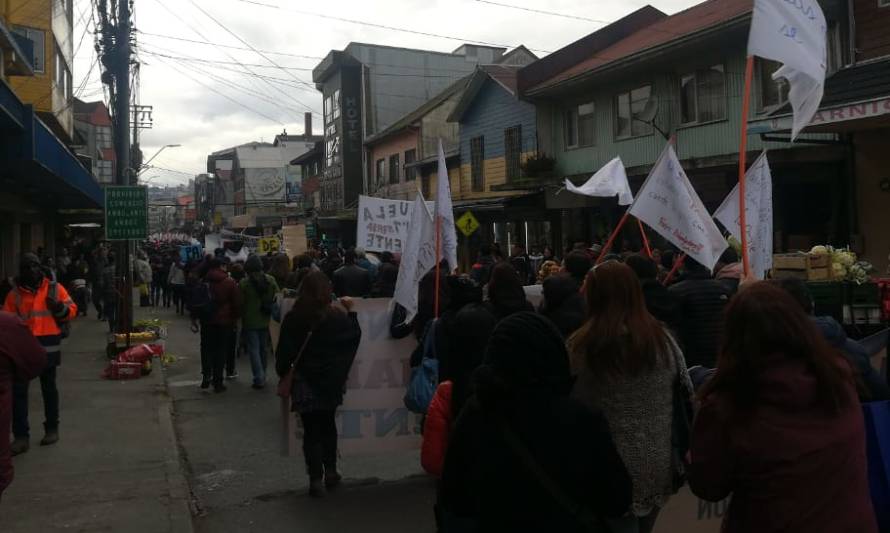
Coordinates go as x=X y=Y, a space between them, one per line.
x=424 y=377
x=201 y=301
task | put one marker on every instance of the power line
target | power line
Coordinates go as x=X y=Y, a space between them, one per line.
x=542 y=11
x=385 y=27
x=183 y=39
x=220 y=62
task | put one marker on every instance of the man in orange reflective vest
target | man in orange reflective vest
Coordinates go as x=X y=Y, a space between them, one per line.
x=43 y=305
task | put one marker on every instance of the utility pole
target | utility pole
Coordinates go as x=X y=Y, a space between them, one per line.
x=120 y=69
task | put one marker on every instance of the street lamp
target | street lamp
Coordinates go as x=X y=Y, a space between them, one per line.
x=145 y=165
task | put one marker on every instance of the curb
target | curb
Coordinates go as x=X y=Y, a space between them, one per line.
x=179 y=511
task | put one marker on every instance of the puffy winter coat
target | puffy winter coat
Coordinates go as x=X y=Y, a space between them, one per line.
x=701 y=310
x=436 y=430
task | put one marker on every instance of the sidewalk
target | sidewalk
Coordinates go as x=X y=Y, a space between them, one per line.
x=116 y=467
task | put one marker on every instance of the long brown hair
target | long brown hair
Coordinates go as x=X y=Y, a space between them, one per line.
x=764 y=322
x=313 y=300
x=620 y=336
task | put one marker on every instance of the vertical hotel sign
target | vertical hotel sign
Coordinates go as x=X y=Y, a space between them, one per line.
x=126 y=213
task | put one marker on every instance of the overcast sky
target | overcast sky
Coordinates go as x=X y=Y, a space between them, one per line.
x=187 y=95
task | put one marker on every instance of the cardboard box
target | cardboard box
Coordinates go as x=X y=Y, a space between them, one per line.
x=819 y=274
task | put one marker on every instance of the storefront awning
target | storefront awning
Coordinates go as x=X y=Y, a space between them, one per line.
x=37 y=165
x=496 y=204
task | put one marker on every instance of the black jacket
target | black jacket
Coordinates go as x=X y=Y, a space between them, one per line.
x=662 y=303
x=352 y=280
x=385 y=286
x=563 y=303
x=702 y=301
x=328 y=357
x=875 y=386
x=486 y=480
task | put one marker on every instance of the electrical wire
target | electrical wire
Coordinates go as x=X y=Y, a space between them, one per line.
x=385 y=27
x=183 y=39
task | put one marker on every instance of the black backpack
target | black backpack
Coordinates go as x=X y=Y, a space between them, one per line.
x=201 y=301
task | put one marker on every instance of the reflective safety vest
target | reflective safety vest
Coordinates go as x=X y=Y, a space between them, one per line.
x=31 y=307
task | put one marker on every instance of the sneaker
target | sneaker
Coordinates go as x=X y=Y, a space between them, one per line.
x=51 y=437
x=317 y=488
x=219 y=387
x=332 y=480
x=205 y=383
x=233 y=375
x=20 y=445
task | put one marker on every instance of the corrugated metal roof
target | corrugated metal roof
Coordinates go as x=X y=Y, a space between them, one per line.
x=683 y=24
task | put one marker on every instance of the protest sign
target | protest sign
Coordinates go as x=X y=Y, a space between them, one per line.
x=794 y=34
x=295 y=239
x=669 y=205
x=212 y=241
x=191 y=252
x=383 y=224
x=268 y=245
x=687 y=513
x=373 y=418
x=759 y=210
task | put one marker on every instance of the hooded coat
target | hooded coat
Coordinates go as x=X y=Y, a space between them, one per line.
x=790 y=466
x=22 y=358
x=524 y=385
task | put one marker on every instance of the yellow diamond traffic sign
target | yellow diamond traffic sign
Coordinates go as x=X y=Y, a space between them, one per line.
x=467 y=224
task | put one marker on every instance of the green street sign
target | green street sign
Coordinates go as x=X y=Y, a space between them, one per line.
x=126 y=213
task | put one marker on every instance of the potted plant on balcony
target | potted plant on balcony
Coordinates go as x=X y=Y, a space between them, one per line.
x=538 y=165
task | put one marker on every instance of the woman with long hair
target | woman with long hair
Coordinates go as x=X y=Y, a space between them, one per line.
x=320 y=338
x=505 y=293
x=780 y=427
x=524 y=455
x=627 y=365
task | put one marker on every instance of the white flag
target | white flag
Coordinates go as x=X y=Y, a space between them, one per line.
x=794 y=34
x=669 y=205
x=611 y=180
x=418 y=257
x=445 y=212
x=758 y=213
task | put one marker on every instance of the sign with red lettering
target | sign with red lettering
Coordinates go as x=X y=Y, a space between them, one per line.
x=862 y=110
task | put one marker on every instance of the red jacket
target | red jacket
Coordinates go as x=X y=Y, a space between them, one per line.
x=793 y=468
x=226 y=297
x=436 y=430
x=21 y=358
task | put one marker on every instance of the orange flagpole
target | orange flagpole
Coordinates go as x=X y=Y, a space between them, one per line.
x=743 y=146
x=674 y=270
x=645 y=239
x=612 y=237
x=438 y=264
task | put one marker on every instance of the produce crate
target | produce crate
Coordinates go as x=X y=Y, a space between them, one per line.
x=808 y=267
x=829 y=299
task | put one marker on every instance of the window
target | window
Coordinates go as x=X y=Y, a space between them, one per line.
x=410 y=172
x=773 y=93
x=579 y=125
x=336 y=104
x=477 y=158
x=394 y=174
x=328 y=110
x=61 y=74
x=103 y=137
x=629 y=107
x=513 y=151
x=703 y=95
x=332 y=145
x=38 y=37
x=380 y=172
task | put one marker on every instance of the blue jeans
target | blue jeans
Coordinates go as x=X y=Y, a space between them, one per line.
x=257 y=344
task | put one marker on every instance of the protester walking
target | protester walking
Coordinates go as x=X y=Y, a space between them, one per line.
x=780 y=428
x=387 y=274
x=350 y=279
x=702 y=300
x=176 y=282
x=627 y=366
x=505 y=293
x=22 y=359
x=110 y=296
x=481 y=270
x=215 y=305
x=319 y=340
x=258 y=291
x=524 y=455
x=469 y=332
x=45 y=307
x=562 y=301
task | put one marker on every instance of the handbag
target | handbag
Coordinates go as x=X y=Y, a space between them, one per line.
x=681 y=424
x=286 y=383
x=877 y=440
x=591 y=521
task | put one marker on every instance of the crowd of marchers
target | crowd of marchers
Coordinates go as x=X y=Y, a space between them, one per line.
x=585 y=412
